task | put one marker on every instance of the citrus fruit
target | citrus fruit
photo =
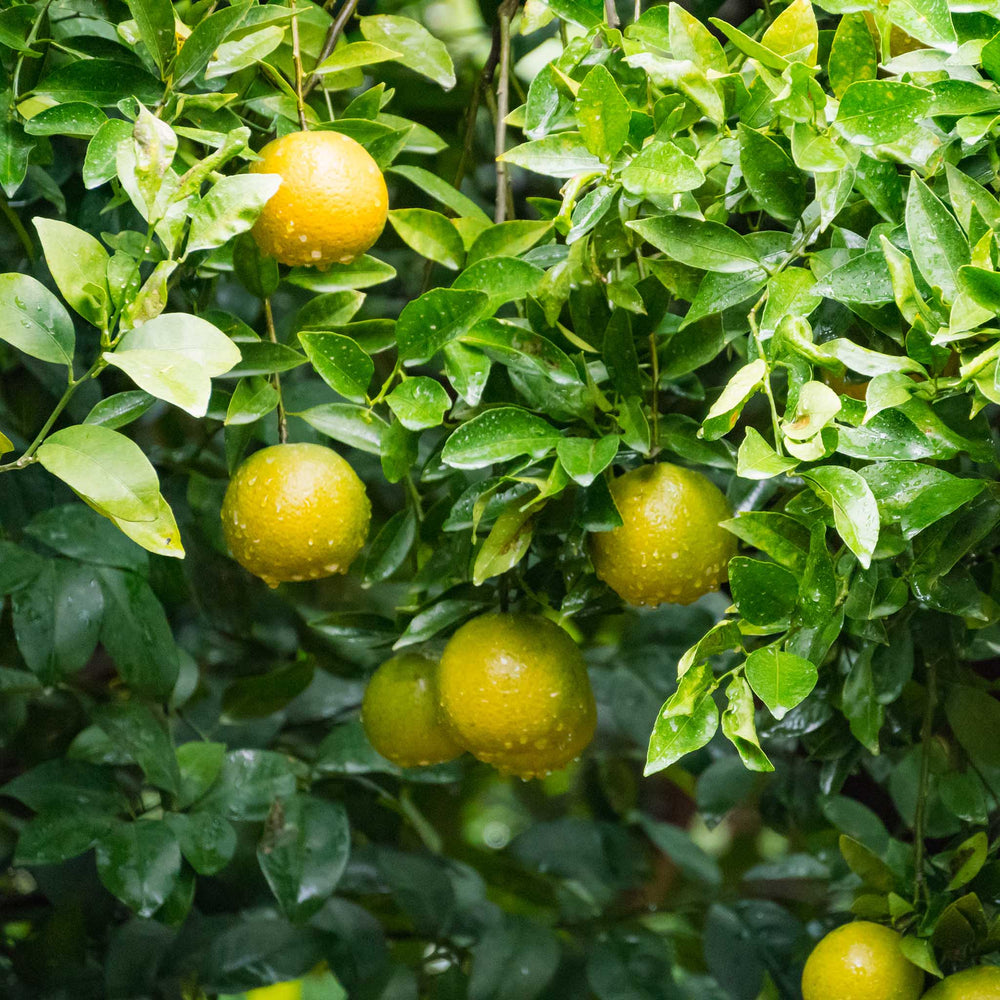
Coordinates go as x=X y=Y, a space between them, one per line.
x=332 y=203
x=861 y=961
x=295 y=512
x=400 y=713
x=670 y=546
x=514 y=691
x=973 y=984
x=291 y=990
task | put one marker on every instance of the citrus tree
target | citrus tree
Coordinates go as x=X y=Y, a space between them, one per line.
x=664 y=304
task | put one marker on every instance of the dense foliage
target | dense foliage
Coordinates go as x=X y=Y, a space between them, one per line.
x=767 y=252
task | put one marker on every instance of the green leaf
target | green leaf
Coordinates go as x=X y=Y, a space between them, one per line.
x=867 y=865
x=134 y=728
x=781 y=680
x=136 y=634
x=155 y=19
x=49 y=786
x=34 y=321
x=522 y=350
x=419 y=403
x=765 y=594
x=783 y=538
x=340 y=362
x=363 y=272
x=677 y=844
x=928 y=21
x=861 y=704
x=562 y=155
x=57 y=835
x=974 y=717
x=435 y=319
x=260 y=695
x=355 y=54
x=855 y=511
x=101 y=162
x=497 y=435
x=81 y=121
x=303 y=852
x=248 y=784
x=106 y=469
x=756 y=459
x=140 y=862
x=503 y=279
x=57 y=619
x=584 y=459
x=726 y=409
x=687 y=721
x=771 y=175
x=706 y=245
x=740 y=728
x=390 y=547
x=231 y=207
x=252 y=399
x=853 y=55
x=160 y=536
x=199 y=764
x=206 y=840
x=356 y=426
x=661 y=169
x=505 y=545
x=206 y=37
x=968 y=860
x=873 y=112
x=430 y=234
x=425 y=54
x=507 y=239
x=939 y=246
x=585 y=13
x=101 y=82
x=430 y=184
x=603 y=114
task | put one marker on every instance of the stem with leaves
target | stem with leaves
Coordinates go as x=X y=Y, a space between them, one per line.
x=332 y=37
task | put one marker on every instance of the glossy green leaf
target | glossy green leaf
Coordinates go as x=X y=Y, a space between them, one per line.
x=781 y=680
x=498 y=435
x=34 y=321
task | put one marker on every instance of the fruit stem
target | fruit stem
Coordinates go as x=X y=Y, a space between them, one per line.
x=272 y=334
x=920 y=816
x=297 y=62
x=654 y=359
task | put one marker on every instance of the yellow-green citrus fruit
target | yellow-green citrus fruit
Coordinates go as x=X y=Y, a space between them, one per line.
x=279 y=991
x=670 y=547
x=973 y=984
x=332 y=203
x=295 y=512
x=514 y=691
x=861 y=961
x=400 y=713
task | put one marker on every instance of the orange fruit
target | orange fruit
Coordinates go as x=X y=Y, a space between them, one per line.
x=400 y=713
x=861 y=961
x=670 y=547
x=514 y=691
x=295 y=512
x=332 y=203
x=973 y=984
x=291 y=990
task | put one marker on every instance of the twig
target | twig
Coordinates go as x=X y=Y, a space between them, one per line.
x=483 y=81
x=297 y=61
x=654 y=359
x=611 y=14
x=272 y=334
x=638 y=9
x=15 y=223
x=503 y=106
x=920 y=816
x=336 y=30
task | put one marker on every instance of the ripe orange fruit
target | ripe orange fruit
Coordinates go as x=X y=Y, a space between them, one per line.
x=295 y=512
x=670 y=546
x=332 y=203
x=514 y=691
x=400 y=713
x=291 y=990
x=973 y=984
x=861 y=961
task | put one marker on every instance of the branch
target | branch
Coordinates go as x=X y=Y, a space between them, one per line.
x=611 y=13
x=503 y=106
x=336 y=30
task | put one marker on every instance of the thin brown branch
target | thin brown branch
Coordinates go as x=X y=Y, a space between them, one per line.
x=332 y=36
x=503 y=107
x=273 y=337
x=297 y=61
x=611 y=14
